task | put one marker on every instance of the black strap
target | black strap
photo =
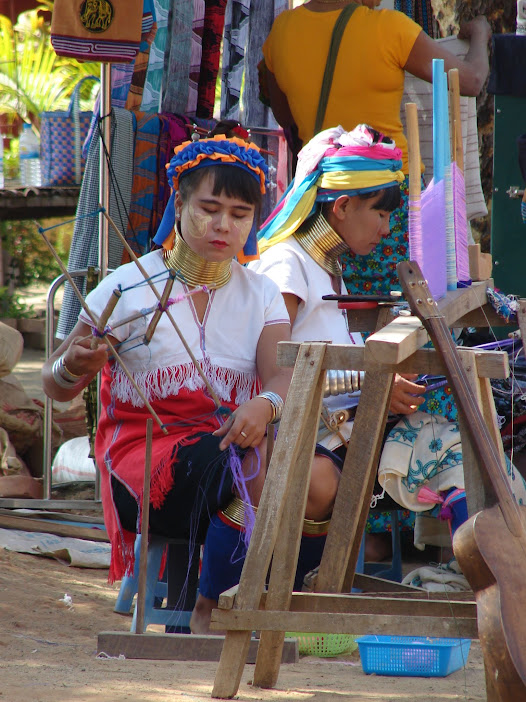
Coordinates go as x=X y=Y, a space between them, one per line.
x=337 y=34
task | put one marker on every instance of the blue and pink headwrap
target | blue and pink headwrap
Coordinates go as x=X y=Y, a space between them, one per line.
x=333 y=163
x=217 y=150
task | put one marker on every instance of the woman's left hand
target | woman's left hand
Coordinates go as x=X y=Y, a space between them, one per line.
x=247 y=425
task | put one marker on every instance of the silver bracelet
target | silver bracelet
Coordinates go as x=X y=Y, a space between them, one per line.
x=341 y=382
x=63 y=377
x=276 y=402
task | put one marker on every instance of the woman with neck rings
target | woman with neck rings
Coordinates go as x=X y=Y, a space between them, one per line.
x=377 y=47
x=231 y=318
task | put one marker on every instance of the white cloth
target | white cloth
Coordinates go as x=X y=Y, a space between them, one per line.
x=295 y=272
x=421 y=93
x=225 y=344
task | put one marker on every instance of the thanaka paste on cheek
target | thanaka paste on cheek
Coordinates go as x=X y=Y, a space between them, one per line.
x=197 y=224
x=243 y=227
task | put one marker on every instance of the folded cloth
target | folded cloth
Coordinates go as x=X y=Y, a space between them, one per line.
x=438 y=578
x=421 y=93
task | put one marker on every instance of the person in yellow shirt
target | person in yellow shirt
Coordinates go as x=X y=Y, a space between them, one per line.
x=377 y=47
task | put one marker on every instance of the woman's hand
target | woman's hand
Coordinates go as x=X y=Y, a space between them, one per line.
x=80 y=359
x=403 y=400
x=247 y=425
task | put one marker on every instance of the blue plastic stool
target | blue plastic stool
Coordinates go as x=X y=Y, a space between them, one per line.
x=179 y=583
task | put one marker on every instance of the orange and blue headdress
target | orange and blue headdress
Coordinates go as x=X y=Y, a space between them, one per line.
x=333 y=163
x=214 y=151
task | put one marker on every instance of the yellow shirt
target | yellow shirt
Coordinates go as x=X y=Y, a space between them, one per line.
x=369 y=75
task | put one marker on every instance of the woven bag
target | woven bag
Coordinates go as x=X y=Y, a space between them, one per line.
x=62 y=134
x=97 y=30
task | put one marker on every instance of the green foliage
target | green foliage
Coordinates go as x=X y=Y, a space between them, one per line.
x=33 y=79
x=11 y=307
x=29 y=258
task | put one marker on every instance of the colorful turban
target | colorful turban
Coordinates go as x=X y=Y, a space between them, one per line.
x=333 y=163
x=215 y=151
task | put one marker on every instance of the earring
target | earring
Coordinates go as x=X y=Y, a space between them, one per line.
x=177 y=215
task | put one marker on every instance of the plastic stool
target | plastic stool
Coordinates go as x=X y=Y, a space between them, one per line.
x=383 y=570
x=181 y=579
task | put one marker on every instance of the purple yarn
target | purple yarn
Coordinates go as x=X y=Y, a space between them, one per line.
x=240 y=481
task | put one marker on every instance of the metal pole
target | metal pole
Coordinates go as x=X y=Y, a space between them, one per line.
x=104 y=194
x=104 y=176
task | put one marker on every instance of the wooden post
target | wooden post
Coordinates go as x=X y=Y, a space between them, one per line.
x=145 y=525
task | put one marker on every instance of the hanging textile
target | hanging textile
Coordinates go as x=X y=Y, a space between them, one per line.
x=149 y=30
x=85 y=243
x=152 y=86
x=177 y=67
x=234 y=46
x=421 y=11
x=261 y=19
x=196 y=52
x=214 y=23
x=145 y=182
x=173 y=132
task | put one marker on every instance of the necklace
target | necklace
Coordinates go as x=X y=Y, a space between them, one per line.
x=194 y=269
x=322 y=243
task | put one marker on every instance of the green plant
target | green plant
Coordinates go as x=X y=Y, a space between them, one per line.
x=11 y=307
x=33 y=79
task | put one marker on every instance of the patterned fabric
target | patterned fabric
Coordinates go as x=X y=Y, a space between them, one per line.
x=214 y=23
x=196 y=52
x=149 y=30
x=177 y=67
x=145 y=182
x=234 y=46
x=421 y=450
x=506 y=306
x=173 y=133
x=379 y=522
x=154 y=74
x=85 y=243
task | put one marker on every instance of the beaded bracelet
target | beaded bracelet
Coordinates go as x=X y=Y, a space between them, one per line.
x=341 y=382
x=276 y=402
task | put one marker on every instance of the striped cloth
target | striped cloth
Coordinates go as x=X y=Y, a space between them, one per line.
x=214 y=23
x=85 y=243
x=149 y=30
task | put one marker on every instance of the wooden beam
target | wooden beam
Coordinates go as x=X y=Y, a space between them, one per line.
x=338 y=623
x=46 y=527
x=400 y=339
x=178 y=647
x=490 y=364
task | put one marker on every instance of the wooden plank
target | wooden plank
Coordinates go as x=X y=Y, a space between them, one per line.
x=22 y=503
x=59 y=516
x=398 y=340
x=490 y=364
x=178 y=647
x=301 y=395
x=339 y=623
x=46 y=527
x=285 y=558
x=370 y=584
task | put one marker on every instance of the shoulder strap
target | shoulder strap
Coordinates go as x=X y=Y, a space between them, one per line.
x=337 y=34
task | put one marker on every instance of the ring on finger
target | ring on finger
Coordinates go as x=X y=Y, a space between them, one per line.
x=243 y=434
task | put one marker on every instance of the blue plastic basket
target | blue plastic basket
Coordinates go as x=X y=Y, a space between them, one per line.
x=412 y=655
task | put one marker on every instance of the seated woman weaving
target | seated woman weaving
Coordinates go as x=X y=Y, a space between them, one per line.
x=214 y=405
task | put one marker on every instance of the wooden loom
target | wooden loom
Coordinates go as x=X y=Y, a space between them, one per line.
x=395 y=347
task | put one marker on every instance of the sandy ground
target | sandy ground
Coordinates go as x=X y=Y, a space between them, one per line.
x=48 y=651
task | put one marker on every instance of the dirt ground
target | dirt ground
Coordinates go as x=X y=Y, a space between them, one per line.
x=48 y=653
